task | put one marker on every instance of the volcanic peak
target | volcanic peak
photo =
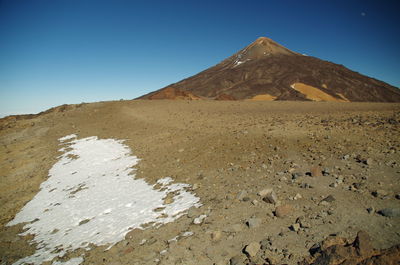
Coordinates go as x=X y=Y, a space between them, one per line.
x=266 y=70
x=260 y=48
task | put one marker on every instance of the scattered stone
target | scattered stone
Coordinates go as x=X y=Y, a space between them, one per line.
x=316 y=172
x=246 y=199
x=199 y=220
x=346 y=157
x=271 y=214
x=337 y=250
x=352 y=188
x=331 y=241
x=305 y=186
x=339 y=180
x=297 y=196
x=397 y=196
x=380 y=193
x=172 y=240
x=296 y=175
x=253 y=222
x=304 y=224
x=390 y=212
x=295 y=227
x=264 y=192
x=283 y=210
x=254 y=202
x=369 y=161
x=265 y=243
x=371 y=210
x=324 y=203
x=216 y=235
x=151 y=241
x=313 y=250
x=237 y=260
x=326 y=172
x=329 y=198
x=358 y=185
x=242 y=194
x=362 y=243
x=269 y=196
x=252 y=249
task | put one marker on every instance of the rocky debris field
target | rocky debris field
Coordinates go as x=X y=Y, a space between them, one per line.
x=279 y=182
x=338 y=250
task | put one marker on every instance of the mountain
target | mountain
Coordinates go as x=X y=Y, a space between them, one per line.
x=266 y=70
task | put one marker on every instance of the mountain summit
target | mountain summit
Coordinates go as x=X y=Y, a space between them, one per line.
x=261 y=48
x=266 y=70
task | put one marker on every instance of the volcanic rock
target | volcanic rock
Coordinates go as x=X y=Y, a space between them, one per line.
x=283 y=210
x=316 y=172
x=269 y=196
x=336 y=250
x=252 y=249
x=390 y=212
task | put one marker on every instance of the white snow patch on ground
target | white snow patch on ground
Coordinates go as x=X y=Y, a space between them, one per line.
x=67 y=137
x=184 y=234
x=199 y=219
x=188 y=233
x=91 y=196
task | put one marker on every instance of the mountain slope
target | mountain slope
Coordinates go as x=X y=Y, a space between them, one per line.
x=265 y=69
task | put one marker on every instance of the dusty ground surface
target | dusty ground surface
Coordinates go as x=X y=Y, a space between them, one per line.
x=229 y=151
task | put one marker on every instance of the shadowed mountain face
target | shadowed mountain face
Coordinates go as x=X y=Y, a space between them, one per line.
x=265 y=70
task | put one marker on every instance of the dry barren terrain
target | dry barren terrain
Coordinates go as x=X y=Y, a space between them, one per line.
x=274 y=178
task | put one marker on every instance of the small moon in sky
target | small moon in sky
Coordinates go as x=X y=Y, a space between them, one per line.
x=363 y=14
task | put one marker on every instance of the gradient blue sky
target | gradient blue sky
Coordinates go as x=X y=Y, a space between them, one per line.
x=70 y=51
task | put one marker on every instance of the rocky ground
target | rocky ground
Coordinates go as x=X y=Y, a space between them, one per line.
x=275 y=178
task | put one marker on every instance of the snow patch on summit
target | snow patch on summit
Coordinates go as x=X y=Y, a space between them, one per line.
x=239 y=60
x=92 y=197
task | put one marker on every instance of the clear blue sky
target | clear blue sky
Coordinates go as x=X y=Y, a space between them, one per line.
x=71 y=51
